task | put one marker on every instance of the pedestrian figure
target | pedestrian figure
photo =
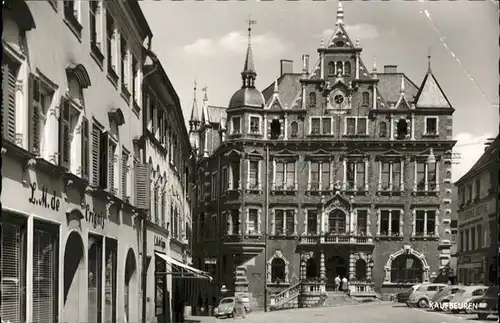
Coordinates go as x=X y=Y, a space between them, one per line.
x=239 y=308
x=344 y=284
x=337 y=283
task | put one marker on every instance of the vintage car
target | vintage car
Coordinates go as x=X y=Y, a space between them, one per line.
x=466 y=295
x=444 y=296
x=421 y=296
x=487 y=304
x=402 y=297
x=229 y=307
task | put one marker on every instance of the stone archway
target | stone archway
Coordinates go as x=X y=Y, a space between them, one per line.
x=277 y=255
x=74 y=275
x=131 y=289
x=407 y=250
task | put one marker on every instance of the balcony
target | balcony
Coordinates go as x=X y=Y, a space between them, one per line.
x=332 y=238
x=245 y=245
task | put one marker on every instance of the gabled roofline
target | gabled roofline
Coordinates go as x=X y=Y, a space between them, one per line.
x=471 y=172
x=421 y=88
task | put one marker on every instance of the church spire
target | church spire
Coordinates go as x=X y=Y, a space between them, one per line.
x=195 y=114
x=340 y=14
x=248 y=75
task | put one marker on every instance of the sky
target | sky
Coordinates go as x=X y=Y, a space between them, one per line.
x=206 y=41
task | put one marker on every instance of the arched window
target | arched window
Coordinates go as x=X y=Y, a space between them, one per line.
x=360 y=269
x=331 y=68
x=402 y=129
x=406 y=269
x=295 y=129
x=339 y=68
x=312 y=99
x=278 y=270
x=347 y=68
x=366 y=98
x=336 y=222
x=383 y=129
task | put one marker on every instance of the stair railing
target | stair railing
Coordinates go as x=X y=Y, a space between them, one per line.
x=286 y=295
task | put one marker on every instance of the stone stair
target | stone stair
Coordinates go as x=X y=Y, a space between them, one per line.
x=338 y=298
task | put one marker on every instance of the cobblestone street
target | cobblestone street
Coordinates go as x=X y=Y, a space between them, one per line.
x=385 y=312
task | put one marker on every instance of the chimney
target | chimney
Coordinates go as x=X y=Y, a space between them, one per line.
x=305 y=63
x=390 y=69
x=286 y=66
x=488 y=143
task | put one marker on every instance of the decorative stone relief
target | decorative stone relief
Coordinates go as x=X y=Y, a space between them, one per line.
x=277 y=254
x=408 y=250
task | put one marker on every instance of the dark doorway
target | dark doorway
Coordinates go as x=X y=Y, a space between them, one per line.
x=402 y=129
x=74 y=274
x=335 y=266
x=311 y=268
x=361 y=269
x=275 y=129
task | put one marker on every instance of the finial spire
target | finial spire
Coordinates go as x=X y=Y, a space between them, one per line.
x=322 y=43
x=205 y=96
x=374 y=64
x=195 y=115
x=276 y=89
x=340 y=14
x=248 y=75
x=402 y=89
x=429 y=60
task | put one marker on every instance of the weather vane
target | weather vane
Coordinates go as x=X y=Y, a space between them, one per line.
x=250 y=23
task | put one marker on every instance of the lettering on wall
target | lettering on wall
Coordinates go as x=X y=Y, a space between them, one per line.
x=94 y=217
x=42 y=200
x=480 y=210
x=160 y=242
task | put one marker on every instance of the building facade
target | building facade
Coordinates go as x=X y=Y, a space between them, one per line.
x=478 y=220
x=169 y=155
x=70 y=230
x=333 y=171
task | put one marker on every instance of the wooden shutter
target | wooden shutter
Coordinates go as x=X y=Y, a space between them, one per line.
x=96 y=158
x=9 y=78
x=64 y=134
x=103 y=160
x=10 y=309
x=45 y=276
x=85 y=148
x=142 y=186
x=35 y=108
x=111 y=166
x=124 y=175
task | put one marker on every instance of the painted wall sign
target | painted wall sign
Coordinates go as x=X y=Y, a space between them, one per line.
x=481 y=210
x=160 y=242
x=42 y=200
x=95 y=218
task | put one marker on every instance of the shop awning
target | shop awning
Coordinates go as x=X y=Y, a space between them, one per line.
x=182 y=270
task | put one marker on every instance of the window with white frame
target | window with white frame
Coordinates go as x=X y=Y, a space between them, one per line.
x=294 y=129
x=235 y=125
x=356 y=126
x=321 y=125
x=477 y=188
x=111 y=45
x=355 y=176
x=113 y=170
x=431 y=126
x=362 y=222
x=319 y=175
x=389 y=223
x=254 y=174
x=68 y=121
x=284 y=175
x=312 y=222
x=41 y=100
x=426 y=176
x=95 y=28
x=234 y=222
x=314 y=172
x=72 y=15
x=284 y=221
x=135 y=79
x=390 y=176
x=425 y=223
x=253 y=221
x=124 y=66
x=213 y=186
x=254 y=125
x=225 y=179
x=234 y=175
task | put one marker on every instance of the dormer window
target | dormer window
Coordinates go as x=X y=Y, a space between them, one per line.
x=254 y=125
x=339 y=67
x=312 y=99
x=383 y=129
x=275 y=129
x=431 y=126
x=366 y=98
x=295 y=129
x=402 y=129
x=235 y=125
x=331 y=68
x=347 y=68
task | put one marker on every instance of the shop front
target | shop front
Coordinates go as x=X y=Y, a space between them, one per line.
x=69 y=254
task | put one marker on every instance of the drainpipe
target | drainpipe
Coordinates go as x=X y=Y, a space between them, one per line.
x=266 y=228
x=154 y=58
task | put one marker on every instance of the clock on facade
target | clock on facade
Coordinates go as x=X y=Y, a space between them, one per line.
x=338 y=100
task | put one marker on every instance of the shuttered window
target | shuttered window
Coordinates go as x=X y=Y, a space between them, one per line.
x=142 y=186
x=95 y=280
x=45 y=264
x=9 y=78
x=124 y=175
x=111 y=166
x=13 y=282
x=85 y=148
x=96 y=157
x=110 y=282
x=36 y=115
x=65 y=134
x=103 y=160
x=163 y=210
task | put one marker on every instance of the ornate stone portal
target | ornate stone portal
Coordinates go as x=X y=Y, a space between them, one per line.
x=408 y=250
x=277 y=255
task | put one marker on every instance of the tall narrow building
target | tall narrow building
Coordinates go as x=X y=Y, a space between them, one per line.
x=332 y=171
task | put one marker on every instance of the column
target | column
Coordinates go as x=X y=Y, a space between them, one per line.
x=331 y=173
x=322 y=65
x=240 y=180
x=322 y=269
x=320 y=176
x=259 y=174
x=414 y=222
x=304 y=213
x=352 y=267
x=401 y=221
x=273 y=179
x=437 y=175
x=343 y=67
x=426 y=168
x=402 y=176
x=303 y=96
x=285 y=128
x=436 y=229
x=412 y=126
x=391 y=128
x=374 y=97
x=366 y=174
x=344 y=165
x=308 y=175
x=357 y=66
x=415 y=176
x=368 y=269
x=379 y=176
x=273 y=228
x=319 y=221
x=230 y=176
x=295 y=180
x=378 y=222
x=248 y=174
x=259 y=221
x=265 y=126
x=390 y=223
x=425 y=223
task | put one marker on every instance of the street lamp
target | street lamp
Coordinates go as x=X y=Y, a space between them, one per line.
x=431 y=159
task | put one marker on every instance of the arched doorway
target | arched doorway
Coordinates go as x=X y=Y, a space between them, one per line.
x=311 y=268
x=335 y=266
x=337 y=222
x=407 y=269
x=361 y=270
x=130 y=288
x=278 y=271
x=74 y=277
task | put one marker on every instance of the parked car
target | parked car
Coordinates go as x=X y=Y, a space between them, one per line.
x=421 y=296
x=445 y=295
x=228 y=307
x=466 y=295
x=403 y=296
x=486 y=304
